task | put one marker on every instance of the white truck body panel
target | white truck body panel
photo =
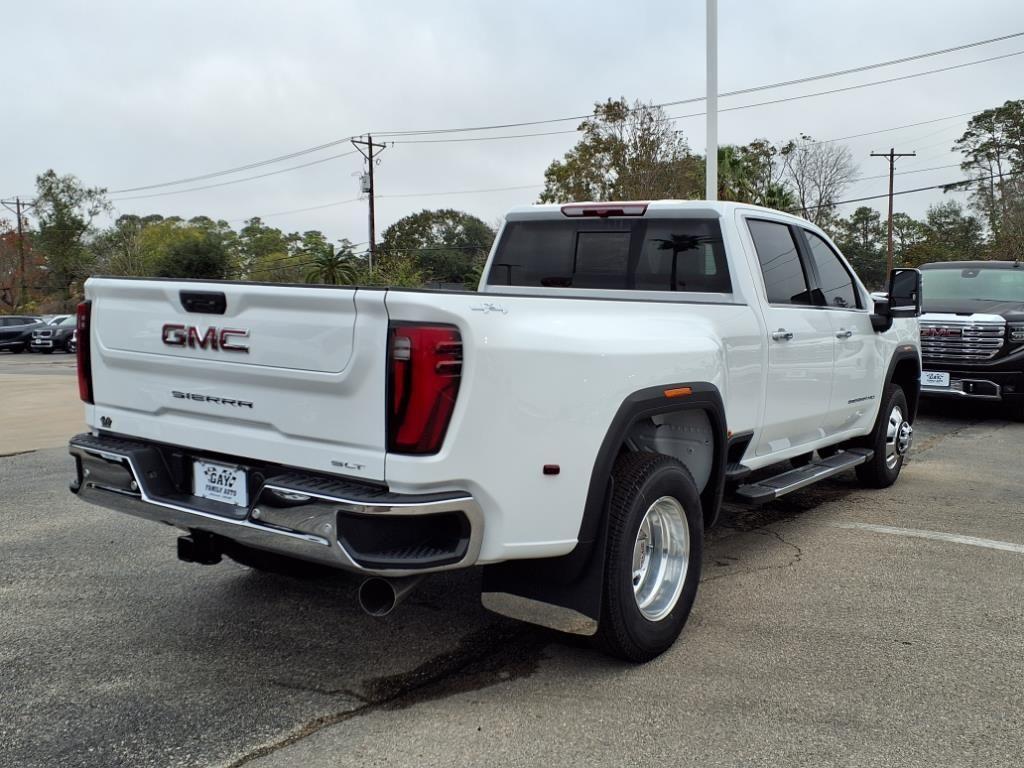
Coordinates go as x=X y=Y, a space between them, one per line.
x=544 y=372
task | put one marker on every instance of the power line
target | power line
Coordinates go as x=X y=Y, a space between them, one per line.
x=695 y=99
x=947 y=187
x=463 y=191
x=237 y=169
x=335 y=142
x=236 y=181
x=906 y=173
x=301 y=210
x=855 y=87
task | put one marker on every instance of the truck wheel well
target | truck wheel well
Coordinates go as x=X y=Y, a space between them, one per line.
x=907 y=374
x=684 y=435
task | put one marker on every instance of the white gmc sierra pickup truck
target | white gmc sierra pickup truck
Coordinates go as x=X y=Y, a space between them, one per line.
x=572 y=427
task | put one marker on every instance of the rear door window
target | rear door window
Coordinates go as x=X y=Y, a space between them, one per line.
x=785 y=281
x=835 y=280
x=613 y=254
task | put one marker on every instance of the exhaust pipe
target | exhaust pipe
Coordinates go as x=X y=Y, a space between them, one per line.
x=379 y=596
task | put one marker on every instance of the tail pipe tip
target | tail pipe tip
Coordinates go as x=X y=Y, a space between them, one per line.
x=379 y=596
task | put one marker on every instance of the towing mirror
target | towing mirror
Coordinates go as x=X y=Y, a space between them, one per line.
x=902 y=300
x=904 y=293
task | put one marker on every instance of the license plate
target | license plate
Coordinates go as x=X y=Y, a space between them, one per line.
x=934 y=379
x=218 y=482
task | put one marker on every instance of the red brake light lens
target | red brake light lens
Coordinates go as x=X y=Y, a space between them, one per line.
x=83 y=354
x=425 y=369
x=604 y=210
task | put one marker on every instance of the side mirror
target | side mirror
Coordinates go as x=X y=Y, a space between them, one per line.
x=902 y=300
x=905 y=293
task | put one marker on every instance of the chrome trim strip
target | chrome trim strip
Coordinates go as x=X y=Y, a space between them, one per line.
x=537 y=612
x=305 y=530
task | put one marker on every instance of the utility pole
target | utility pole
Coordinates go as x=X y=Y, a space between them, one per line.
x=711 y=150
x=21 y=243
x=369 y=155
x=892 y=154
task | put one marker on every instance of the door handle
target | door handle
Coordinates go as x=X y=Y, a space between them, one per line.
x=844 y=334
x=782 y=335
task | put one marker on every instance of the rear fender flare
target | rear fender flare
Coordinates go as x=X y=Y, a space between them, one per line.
x=574 y=581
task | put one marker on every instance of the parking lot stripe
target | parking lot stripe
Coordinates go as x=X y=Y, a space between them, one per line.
x=1005 y=546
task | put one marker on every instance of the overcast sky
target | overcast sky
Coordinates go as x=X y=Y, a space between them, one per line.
x=127 y=94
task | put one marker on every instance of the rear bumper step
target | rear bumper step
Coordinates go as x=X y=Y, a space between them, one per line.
x=351 y=526
x=773 y=487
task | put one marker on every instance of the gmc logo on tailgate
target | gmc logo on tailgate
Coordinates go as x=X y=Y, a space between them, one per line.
x=175 y=335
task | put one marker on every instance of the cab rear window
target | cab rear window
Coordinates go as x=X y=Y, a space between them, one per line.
x=613 y=254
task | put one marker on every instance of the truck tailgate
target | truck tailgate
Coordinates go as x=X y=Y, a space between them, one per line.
x=298 y=379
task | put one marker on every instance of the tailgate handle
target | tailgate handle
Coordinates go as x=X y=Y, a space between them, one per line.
x=206 y=302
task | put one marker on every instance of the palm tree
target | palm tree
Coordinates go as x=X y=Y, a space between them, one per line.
x=332 y=268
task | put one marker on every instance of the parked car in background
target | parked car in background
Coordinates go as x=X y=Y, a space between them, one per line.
x=53 y=336
x=16 y=331
x=972 y=332
x=72 y=345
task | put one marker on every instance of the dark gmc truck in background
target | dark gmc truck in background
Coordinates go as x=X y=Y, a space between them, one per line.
x=972 y=332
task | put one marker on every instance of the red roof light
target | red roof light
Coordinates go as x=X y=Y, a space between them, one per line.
x=604 y=210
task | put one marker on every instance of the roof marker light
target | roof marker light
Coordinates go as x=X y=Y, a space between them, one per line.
x=604 y=210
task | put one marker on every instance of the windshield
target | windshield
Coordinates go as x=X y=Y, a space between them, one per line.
x=974 y=283
x=69 y=320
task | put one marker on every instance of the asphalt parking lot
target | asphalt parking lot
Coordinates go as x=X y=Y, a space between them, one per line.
x=836 y=627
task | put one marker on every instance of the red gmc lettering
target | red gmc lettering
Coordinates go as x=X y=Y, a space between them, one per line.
x=208 y=338
x=176 y=335
x=229 y=346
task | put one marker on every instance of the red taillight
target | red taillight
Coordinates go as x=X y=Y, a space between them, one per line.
x=425 y=368
x=83 y=352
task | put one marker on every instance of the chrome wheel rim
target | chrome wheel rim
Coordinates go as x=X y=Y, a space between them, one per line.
x=898 y=436
x=661 y=558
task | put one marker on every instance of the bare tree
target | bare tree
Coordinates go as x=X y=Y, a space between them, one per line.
x=818 y=172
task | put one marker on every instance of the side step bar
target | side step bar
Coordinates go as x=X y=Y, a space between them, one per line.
x=793 y=480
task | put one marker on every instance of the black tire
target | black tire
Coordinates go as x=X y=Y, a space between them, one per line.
x=880 y=472
x=641 y=479
x=17 y=350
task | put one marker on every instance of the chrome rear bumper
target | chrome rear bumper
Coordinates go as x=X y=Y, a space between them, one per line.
x=351 y=526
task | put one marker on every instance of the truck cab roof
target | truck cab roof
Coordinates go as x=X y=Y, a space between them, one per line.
x=653 y=208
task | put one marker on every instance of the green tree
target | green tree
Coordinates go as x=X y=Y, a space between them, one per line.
x=447 y=245
x=993 y=150
x=862 y=239
x=753 y=173
x=269 y=255
x=65 y=210
x=395 y=270
x=198 y=254
x=327 y=265
x=118 y=249
x=949 y=235
x=625 y=153
x=906 y=233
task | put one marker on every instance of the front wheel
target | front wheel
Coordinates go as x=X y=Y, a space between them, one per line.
x=17 y=350
x=655 y=547
x=890 y=441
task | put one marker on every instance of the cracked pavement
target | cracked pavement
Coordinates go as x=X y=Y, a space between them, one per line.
x=809 y=645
